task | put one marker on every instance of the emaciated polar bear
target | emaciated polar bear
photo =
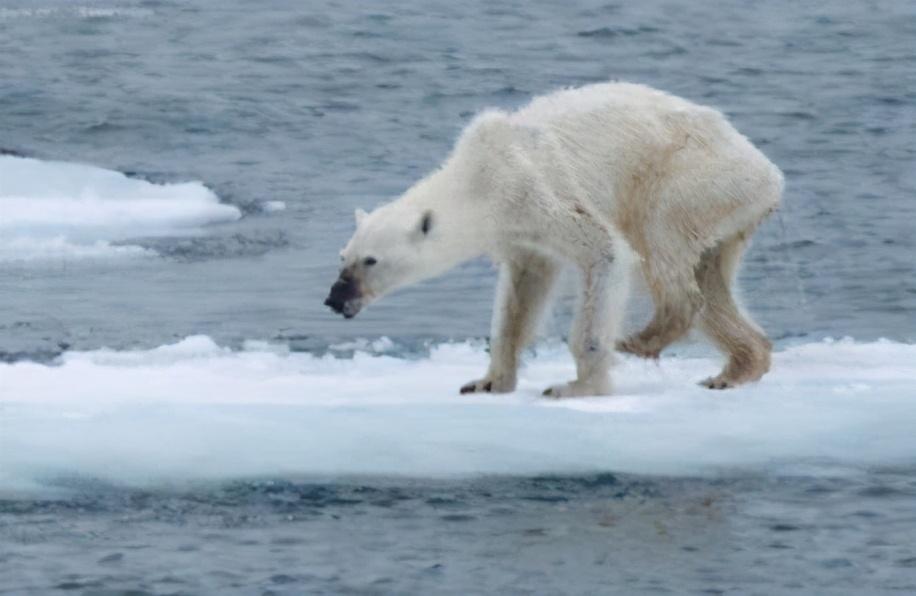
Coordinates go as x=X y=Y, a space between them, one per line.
x=605 y=177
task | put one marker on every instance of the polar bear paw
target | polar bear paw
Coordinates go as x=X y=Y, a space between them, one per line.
x=639 y=347
x=489 y=384
x=719 y=382
x=577 y=389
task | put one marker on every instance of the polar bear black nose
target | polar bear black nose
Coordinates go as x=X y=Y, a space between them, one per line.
x=344 y=291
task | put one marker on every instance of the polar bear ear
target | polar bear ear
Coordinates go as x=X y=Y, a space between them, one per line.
x=422 y=227
x=426 y=223
x=360 y=215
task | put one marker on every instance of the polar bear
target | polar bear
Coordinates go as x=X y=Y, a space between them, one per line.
x=609 y=178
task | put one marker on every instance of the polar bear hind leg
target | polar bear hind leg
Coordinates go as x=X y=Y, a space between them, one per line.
x=676 y=304
x=724 y=322
x=670 y=276
x=691 y=244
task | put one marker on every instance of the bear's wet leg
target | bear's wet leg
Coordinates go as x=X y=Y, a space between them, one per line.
x=525 y=283
x=677 y=299
x=727 y=326
x=605 y=287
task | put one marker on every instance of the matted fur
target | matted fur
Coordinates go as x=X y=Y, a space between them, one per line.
x=604 y=177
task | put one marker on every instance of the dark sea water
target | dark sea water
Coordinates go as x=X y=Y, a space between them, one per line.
x=603 y=534
x=328 y=106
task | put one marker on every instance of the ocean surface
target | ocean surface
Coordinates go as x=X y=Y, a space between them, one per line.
x=180 y=414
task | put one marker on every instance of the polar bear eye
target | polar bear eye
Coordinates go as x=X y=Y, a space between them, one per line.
x=370 y=261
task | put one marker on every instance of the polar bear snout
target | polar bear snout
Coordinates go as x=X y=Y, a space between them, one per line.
x=345 y=297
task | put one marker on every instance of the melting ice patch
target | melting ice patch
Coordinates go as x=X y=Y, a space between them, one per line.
x=51 y=210
x=194 y=410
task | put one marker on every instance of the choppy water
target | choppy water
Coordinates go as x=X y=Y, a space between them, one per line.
x=326 y=106
x=600 y=534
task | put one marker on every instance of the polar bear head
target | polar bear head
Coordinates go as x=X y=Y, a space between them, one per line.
x=441 y=221
x=392 y=247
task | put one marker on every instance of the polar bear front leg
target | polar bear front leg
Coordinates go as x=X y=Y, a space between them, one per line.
x=605 y=287
x=525 y=283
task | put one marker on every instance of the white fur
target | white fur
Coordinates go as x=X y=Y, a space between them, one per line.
x=603 y=177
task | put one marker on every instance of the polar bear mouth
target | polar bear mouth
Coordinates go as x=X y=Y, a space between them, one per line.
x=348 y=308
x=351 y=308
